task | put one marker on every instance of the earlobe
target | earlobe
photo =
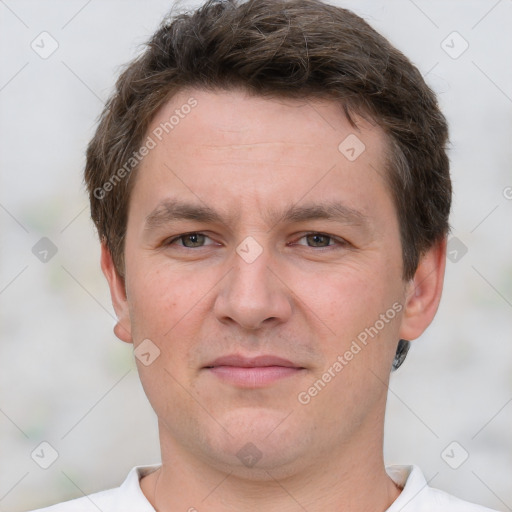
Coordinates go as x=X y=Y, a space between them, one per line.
x=424 y=292
x=116 y=284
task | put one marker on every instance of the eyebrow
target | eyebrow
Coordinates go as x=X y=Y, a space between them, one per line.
x=173 y=210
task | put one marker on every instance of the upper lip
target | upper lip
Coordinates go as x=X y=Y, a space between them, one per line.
x=251 y=362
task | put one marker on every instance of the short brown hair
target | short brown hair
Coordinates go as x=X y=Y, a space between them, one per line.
x=280 y=48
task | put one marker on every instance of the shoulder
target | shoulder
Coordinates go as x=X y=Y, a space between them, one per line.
x=418 y=496
x=444 y=501
x=103 y=500
x=128 y=497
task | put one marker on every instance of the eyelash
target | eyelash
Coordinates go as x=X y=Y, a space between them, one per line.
x=338 y=241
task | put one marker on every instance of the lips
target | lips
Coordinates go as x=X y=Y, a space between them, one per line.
x=252 y=372
x=251 y=362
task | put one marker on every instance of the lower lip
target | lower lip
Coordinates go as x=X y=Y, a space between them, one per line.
x=253 y=377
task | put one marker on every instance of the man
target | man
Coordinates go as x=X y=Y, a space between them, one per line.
x=271 y=190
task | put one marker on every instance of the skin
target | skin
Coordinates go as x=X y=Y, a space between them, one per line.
x=303 y=298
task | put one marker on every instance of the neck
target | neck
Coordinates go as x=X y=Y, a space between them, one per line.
x=353 y=479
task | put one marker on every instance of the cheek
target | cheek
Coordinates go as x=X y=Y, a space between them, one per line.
x=355 y=311
x=344 y=299
x=159 y=309
x=157 y=302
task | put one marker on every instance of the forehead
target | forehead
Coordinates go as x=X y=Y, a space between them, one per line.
x=219 y=112
x=224 y=146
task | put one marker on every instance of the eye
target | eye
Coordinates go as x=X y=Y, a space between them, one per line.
x=195 y=240
x=321 y=240
x=189 y=240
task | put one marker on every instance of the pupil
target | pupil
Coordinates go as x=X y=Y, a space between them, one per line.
x=317 y=239
x=193 y=238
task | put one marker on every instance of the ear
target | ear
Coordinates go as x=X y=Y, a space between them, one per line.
x=122 y=328
x=423 y=292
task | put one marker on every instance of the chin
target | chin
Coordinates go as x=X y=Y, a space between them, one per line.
x=260 y=441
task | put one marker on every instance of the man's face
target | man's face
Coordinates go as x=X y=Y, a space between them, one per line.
x=255 y=282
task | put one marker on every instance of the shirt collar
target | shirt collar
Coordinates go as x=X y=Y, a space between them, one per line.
x=413 y=484
x=131 y=498
x=409 y=478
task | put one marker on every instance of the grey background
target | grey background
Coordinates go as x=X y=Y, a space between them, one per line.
x=66 y=380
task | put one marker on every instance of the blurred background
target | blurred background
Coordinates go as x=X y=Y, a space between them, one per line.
x=67 y=381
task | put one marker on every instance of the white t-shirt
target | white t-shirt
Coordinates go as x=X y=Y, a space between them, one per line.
x=416 y=495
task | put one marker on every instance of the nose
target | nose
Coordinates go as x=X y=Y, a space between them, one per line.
x=253 y=294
